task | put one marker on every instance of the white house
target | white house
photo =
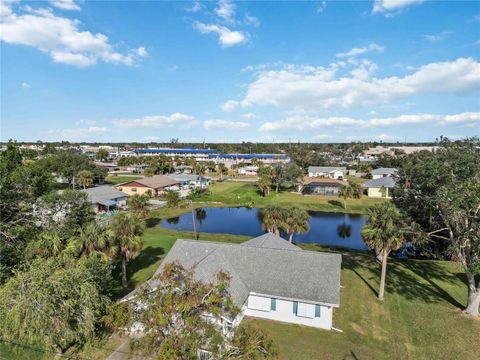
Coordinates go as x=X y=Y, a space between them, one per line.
x=105 y=198
x=270 y=278
x=189 y=181
x=383 y=172
x=248 y=170
x=332 y=172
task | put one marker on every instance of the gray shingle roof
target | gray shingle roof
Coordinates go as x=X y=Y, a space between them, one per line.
x=102 y=193
x=320 y=169
x=384 y=171
x=282 y=273
x=386 y=181
x=187 y=177
x=153 y=182
x=271 y=241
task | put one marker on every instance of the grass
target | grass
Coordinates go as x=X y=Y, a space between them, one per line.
x=241 y=194
x=114 y=180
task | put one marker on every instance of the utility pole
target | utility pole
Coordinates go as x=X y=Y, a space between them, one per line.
x=193 y=222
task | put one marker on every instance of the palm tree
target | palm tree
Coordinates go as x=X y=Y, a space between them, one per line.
x=264 y=184
x=93 y=238
x=138 y=204
x=85 y=178
x=127 y=231
x=384 y=232
x=222 y=169
x=296 y=221
x=273 y=216
x=346 y=192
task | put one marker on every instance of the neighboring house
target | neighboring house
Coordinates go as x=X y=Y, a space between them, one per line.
x=380 y=188
x=270 y=278
x=248 y=170
x=153 y=185
x=321 y=186
x=383 y=172
x=106 y=165
x=106 y=198
x=189 y=181
x=332 y=172
x=183 y=169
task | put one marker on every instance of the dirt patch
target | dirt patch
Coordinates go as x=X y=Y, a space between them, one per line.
x=358 y=329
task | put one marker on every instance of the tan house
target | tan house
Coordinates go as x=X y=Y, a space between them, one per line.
x=321 y=186
x=153 y=186
x=380 y=188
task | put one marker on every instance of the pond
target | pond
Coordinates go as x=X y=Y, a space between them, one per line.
x=332 y=229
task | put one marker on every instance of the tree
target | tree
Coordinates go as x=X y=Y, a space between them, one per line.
x=85 y=178
x=222 y=169
x=356 y=190
x=173 y=198
x=92 y=239
x=273 y=218
x=127 y=231
x=199 y=169
x=175 y=325
x=265 y=175
x=51 y=303
x=286 y=175
x=296 y=221
x=150 y=171
x=138 y=204
x=102 y=154
x=441 y=191
x=346 y=192
x=383 y=232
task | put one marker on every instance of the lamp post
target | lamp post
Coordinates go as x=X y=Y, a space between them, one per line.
x=193 y=221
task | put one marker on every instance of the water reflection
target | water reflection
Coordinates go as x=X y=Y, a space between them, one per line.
x=344 y=230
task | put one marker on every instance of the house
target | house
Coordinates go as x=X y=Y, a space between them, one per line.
x=383 y=172
x=332 y=172
x=184 y=169
x=106 y=198
x=154 y=185
x=321 y=186
x=270 y=278
x=189 y=181
x=235 y=159
x=248 y=170
x=380 y=188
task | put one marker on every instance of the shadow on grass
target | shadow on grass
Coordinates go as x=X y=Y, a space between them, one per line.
x=411 y=279
x=335 y=203
x=152 y=222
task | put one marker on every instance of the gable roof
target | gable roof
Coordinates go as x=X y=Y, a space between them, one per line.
x=384 y=171
x=188 y=177
x=278 y=272
x=154 y=182
x=387 y=182
x=326 y=169
x=307 y=180
x=271 y=241
x=103 y=193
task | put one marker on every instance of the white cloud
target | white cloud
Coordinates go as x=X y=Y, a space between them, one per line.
x=86 y=122
x=195 y=7
x=65 y=4
x=249 y=116
x=60 y=38
x=303 y=122
x=226 y=38
x=226 y=10
x=321 y=7
x=73 y=134
x=361 y=50
x=317 y=88
x=229 y=105
x=438 y=37
x=224 y=124
x=158 y=121
x=151 y=138
x=25 y=85
x=251 y=20
x=392 y=6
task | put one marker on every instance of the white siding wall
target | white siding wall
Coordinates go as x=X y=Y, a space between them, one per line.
x=284 y=312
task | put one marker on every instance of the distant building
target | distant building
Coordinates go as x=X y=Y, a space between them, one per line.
x=106 y=198
x=383 y=172
x=248 y=170
x=189 y=181
x=231 y=159
x=321 y=186
x=154 y=185
x=198 y=154
x=183 y=169
x=332 y=172
x=380 y=187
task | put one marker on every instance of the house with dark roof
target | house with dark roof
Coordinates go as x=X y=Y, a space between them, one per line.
x=270 y=278
x=190 y=181
x=154 y=185
x=380 y=188
x=332 y=172
x=106 y=198
x=321 y=186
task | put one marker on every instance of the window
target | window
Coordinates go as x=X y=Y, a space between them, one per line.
x=317 y=310
x=273 y=304
x=134 y=189
x=306 y=310
x=259 y=303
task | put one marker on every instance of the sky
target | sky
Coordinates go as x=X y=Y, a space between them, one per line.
x=224 y=71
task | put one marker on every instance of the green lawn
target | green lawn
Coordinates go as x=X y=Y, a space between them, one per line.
x=238 y=193
x=114 y=180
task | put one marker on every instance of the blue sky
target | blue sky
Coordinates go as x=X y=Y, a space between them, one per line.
x=317 y=71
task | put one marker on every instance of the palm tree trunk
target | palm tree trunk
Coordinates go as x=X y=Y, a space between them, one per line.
x=124 y=273
x=382 y=277
x=277 y=231
x=290 y=238
x=473 y=303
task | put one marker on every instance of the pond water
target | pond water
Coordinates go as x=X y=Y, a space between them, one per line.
x=333 y=229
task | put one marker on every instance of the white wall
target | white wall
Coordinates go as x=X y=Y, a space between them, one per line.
x=284 y=313
x=332 y=175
